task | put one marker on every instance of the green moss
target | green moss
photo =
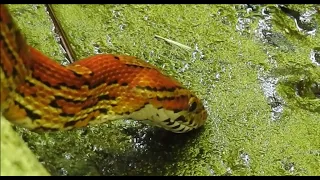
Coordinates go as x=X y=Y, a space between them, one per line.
x=37 y=27
x=224 y=68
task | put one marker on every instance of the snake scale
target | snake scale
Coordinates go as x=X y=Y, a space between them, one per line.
x=39 y=94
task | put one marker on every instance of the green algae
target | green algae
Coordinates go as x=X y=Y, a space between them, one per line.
x=240 y=137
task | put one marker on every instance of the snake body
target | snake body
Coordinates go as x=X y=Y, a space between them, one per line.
x=40 y=94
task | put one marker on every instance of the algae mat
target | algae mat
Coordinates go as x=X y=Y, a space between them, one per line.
x=255 y=66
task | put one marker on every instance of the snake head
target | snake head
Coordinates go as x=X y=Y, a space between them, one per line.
x=177 y=110
x=196 y=114
x=191 y=117
x=179 y=114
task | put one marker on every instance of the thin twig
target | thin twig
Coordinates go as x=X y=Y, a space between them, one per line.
x=64 y=40
x=174 y=42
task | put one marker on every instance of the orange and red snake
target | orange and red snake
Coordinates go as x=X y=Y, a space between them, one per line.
x=40 y=94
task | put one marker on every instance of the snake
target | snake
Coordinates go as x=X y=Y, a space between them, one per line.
x=40 y=94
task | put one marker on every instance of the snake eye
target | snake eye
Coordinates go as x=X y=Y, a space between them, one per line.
x=193 y=106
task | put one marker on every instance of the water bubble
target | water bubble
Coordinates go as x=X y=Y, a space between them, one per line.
x=245 y=157
x=315 y=56
x=268 y=86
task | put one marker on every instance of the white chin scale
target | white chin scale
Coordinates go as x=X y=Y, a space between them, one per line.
x=160 y=117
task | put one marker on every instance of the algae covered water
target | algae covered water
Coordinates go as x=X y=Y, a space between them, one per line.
x=256 y=67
